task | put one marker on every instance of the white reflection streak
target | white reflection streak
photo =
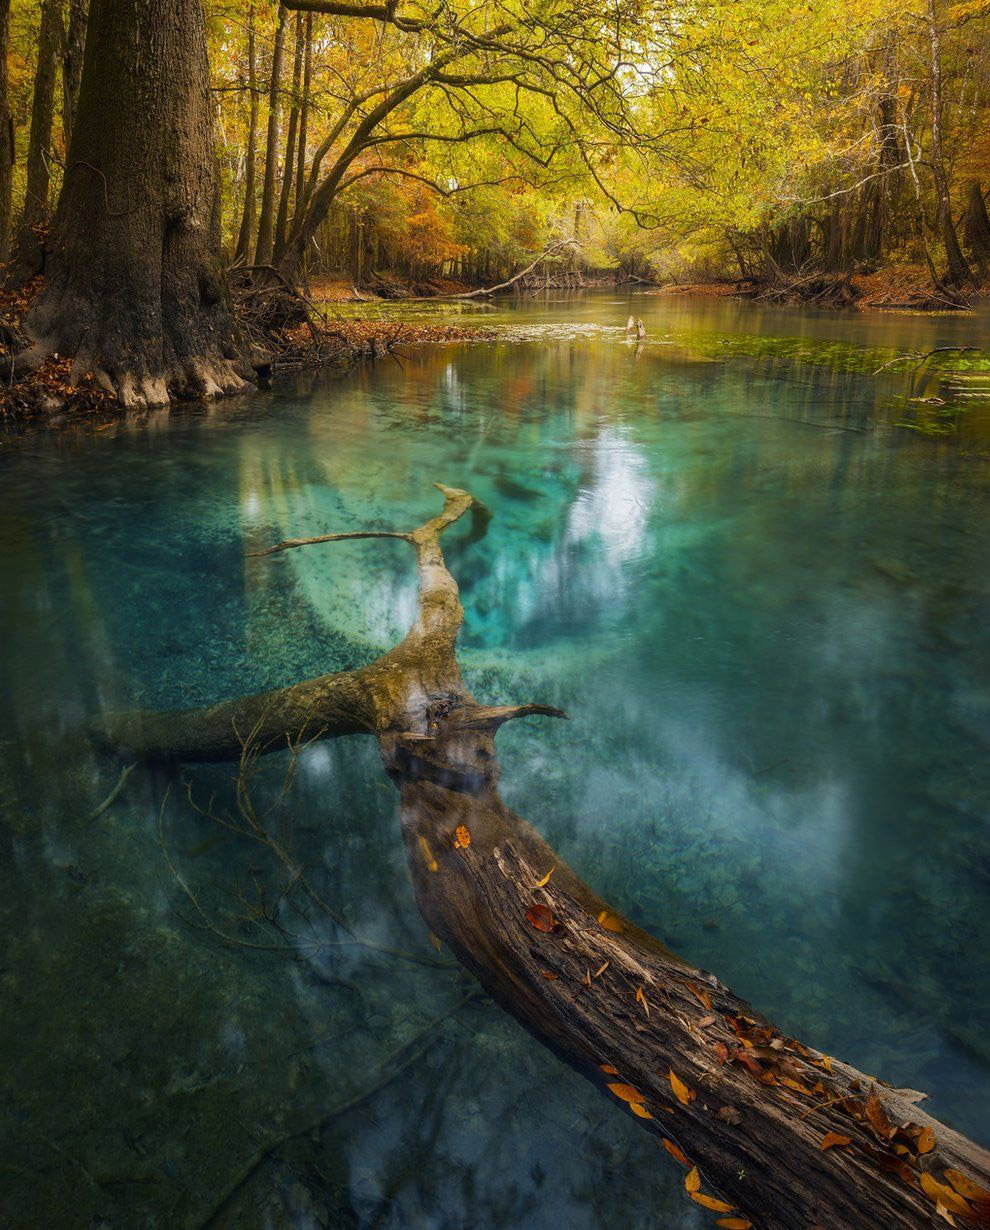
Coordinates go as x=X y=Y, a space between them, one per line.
x=615 y=507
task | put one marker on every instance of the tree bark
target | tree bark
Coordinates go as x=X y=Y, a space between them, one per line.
x=6 y=135
x=30 y=254
x=72 y=64
x=266 y=225
x=304 y=113
x=977 y=227
x=289 y=161
x=668 y=1043
x=134 y=290
x=242 y=252
x=958 y=271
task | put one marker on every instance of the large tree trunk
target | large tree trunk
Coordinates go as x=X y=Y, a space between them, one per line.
x=72 y=64
x=6 y=135
x=134 y=290
x=668 y=1043
x=30 y=254
x=976 y=227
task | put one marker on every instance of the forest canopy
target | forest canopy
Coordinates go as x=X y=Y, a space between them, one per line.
x=742 y=138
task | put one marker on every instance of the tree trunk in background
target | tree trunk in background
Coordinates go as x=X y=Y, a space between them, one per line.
x=6 y=134
x=242 y=252
x=134 y=289
x=304 y=114
x=30 y=256
x=289 y=161
x=958 y=271
x=976 y=227
x=266 y=225
x=72 y=63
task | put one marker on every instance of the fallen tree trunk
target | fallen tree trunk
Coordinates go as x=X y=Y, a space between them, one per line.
x=776 y=1134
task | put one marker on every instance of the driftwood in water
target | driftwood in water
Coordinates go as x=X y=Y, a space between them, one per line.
x=724 y=1090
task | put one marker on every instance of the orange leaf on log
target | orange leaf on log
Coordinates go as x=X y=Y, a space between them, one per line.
x=683 y=1094
x=966 y=1187
x=692 y=1180
x=877 y=1116
x=546 y=879
x=608 y=1069
x=610 y=921
x=709 y=1202
x=462 y=837
x=628 y=1093
x=675 y=1151
x=834 y=1140
x=944 y=1195
x=705 y=998
x=926 y=1141
x=734 y=1223
x=638 y=1108
x=541 y=917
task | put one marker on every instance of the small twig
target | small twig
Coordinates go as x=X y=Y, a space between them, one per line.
x=253 y=1164
x=112 y=797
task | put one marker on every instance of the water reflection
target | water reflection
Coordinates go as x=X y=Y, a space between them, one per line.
x=764 y=606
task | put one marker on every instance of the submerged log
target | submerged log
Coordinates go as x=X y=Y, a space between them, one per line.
x=782 y=1136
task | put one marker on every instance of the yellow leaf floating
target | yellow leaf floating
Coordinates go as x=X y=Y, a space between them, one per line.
x=546 y=879
x=734 y=1223
x=682 y=1093
x=628 y=1093
x=692 y=1180
x=427 y=853
x=608 y=1069
x=709 y=1202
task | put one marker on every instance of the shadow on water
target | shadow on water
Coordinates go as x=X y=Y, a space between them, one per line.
x=764 y=604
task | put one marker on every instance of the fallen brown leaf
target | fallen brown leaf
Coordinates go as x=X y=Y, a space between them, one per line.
x=541 y=917
x=834 y=1140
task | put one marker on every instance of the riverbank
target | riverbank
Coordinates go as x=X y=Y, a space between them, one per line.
x=51 y=397
x=907 y=287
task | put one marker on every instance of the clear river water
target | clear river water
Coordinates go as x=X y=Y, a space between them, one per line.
x=754 y=572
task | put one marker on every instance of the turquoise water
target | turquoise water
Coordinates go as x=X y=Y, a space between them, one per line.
x=755 y=574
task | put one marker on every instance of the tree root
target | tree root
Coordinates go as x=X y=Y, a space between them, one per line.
x=724 y=1090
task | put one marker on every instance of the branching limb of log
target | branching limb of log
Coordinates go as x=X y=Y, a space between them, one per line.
x=553 y=250
x=921 y=358
x=667 y=1042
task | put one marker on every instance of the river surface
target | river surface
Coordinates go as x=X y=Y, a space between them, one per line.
x=757 y=576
